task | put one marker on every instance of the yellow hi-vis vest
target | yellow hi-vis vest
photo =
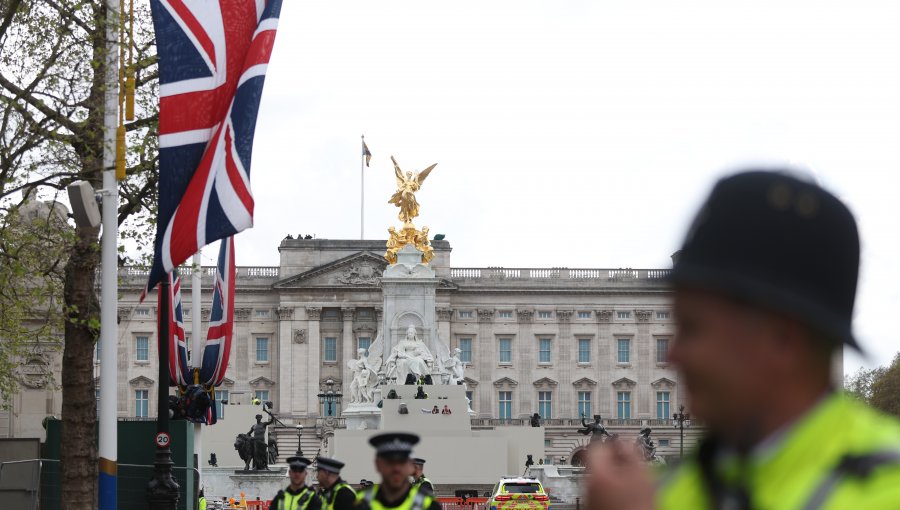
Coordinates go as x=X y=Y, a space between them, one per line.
x=415 y=500
x=297 y=501
x=329 y=503
x=841 y=455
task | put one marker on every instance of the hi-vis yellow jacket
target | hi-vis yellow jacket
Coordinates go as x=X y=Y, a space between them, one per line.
x=841 y=455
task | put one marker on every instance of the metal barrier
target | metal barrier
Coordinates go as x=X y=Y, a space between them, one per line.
x=19 y=488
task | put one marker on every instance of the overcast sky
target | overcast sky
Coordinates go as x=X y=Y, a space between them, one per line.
x=576 y=134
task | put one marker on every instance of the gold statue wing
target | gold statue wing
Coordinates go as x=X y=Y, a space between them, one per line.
x=398 y=173
x=420 y=177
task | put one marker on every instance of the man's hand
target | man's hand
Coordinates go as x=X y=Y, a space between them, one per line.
x=617 y=479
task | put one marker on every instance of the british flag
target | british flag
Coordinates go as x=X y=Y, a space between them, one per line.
x=179 y=372
x=212 y=63
x=217 y=348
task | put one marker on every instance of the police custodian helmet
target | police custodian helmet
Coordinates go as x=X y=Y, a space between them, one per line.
x=779 y=242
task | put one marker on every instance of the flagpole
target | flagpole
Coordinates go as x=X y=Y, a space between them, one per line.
x=196 y=354
x=109 y=291
x=362 y=189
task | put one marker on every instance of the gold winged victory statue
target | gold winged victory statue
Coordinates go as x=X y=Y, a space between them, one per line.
x=405 y=199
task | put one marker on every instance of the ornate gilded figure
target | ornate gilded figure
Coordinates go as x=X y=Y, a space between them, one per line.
x=405 y=196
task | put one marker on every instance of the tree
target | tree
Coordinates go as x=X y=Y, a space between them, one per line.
x=886 y=389
x=879 y=387
x=52 y=68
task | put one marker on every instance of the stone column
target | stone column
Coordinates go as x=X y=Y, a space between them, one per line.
x=526 y=359
x=346 y=352
x=605 y=363
x=313 y=361
x=285 y=360
x=488 y=360
x=443 y=317
x=564 y=407
x=644 y=361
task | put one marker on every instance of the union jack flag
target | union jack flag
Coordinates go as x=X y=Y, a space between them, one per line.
x=217 y=348
x=179 y=372
x=213 y=57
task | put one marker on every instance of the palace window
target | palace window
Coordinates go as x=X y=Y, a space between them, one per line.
x=623 y=405
x=261 y=395
x=506 y=350
x=662 y=405
x=142 y=348
x=545 y=314
x=624 y=353
x=220 y=407
x=142 y=403
x=623 y=316
x=142 y=312
x=262 y=314
x=544 y=354
x=364 y=342
x=662 y=350
x=505 y=314
x=262 y=349
x=465 y=350
x=584 y=403
x=465 y=314
x=505 y=399
x=545 y=404
x=584 y=315
x=584 y=350
x=330 y=352
x=662 y=316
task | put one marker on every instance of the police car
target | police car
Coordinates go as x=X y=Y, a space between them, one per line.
x=518 y=493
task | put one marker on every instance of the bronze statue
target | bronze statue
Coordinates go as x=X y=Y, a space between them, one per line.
x=243 y=443
x=645 y=446
x=596 y=429
x=405 y=196
x=260 y=447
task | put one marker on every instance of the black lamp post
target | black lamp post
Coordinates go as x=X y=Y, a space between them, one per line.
x=162 y=490
x=681 y=420
x=299 y=440
x=329 y=397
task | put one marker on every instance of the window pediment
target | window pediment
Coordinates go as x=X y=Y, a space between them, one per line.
x=624 y=383
x=663 y=383
x=584 y=382
x=545 y=382
x=505 y=382
x=262 y=381
x=140 y=381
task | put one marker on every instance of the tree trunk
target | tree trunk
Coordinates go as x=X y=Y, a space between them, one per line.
x=79 y=406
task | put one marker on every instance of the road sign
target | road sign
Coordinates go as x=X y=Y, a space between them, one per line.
x=163 y=439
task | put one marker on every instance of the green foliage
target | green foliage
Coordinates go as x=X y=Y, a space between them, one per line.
x=879 y=387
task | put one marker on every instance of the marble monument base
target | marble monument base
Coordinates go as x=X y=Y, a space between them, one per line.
x=230 y=482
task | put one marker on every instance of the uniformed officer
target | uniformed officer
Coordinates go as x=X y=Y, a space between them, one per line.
x=419 y=478
x=764 y=288
x=393 y=463
x=336 y=494
x=297 y=496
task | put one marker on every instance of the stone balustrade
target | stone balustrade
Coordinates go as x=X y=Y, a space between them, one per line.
x=558 y=273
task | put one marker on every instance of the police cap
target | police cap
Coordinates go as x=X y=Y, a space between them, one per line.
x=298 y=463
x=330 y=465
x=419 y=462
x=779 y=242
x=394 y=445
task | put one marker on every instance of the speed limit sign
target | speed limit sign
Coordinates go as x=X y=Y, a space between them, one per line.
x=162 y=439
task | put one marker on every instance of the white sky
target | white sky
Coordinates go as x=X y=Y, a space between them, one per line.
x=576 y=134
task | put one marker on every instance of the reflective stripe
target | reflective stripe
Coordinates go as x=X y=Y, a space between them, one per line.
x=415 y=500
x=858 y=466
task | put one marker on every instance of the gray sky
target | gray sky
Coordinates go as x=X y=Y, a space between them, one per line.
x=575 y=134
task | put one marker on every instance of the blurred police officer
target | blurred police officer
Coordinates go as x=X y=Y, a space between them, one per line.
x=764 y=287
x=297 y=496
x=393 y=463
x=419 y=478
x=336 y=494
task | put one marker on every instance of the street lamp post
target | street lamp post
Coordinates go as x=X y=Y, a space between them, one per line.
x=681 y=420
x=329 y=397
x=299 y=440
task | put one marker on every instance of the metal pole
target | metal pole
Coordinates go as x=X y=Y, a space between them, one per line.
x=109 y=328
x=162 y=490
x=362 y=189
x=196 y=353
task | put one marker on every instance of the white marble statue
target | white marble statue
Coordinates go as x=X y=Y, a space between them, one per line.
x=363 y=378
x=456 y=367
x=409 y=356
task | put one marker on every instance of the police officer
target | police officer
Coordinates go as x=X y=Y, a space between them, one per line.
x=764 y=287
x=393 y=463
x=297 y=496
x=336 y=494
x=419 y=478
